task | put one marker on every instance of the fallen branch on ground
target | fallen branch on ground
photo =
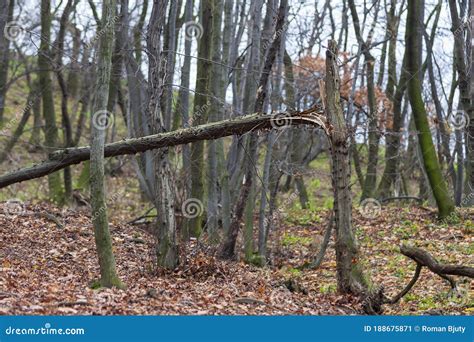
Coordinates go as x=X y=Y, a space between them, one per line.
x=60 y=159
x=425 y=259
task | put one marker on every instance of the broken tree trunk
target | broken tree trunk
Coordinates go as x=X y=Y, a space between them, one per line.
x=59 y=159
x=350 y=274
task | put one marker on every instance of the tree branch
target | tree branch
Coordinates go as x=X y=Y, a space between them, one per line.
x=59 y=159
x=425 y=259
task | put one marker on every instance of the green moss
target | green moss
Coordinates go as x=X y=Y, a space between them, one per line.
x=327 y=288
x=290 y=240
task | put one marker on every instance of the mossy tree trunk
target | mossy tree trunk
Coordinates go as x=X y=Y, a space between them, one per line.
x=430 y=161
x=50 y=129
x=108 y=273
x=200 y=112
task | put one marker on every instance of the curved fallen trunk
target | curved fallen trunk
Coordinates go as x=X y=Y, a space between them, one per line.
x=59 y=159
x=426 y=259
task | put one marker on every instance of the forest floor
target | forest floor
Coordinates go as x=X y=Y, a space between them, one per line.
x=47 y=266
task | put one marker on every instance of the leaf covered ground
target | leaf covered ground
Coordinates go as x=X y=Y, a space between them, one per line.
x=47 y=267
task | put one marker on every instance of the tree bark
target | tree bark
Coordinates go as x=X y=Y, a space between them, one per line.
x=423 y=258
x=350 y=277
x=228 y=249
x=6 y=16
x=108 y=273
x=51 y=130
x=430 y=161
x=461 y=63
x=237 y=126
x=200 y=112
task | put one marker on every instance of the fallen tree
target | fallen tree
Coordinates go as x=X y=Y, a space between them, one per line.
x=60 y=159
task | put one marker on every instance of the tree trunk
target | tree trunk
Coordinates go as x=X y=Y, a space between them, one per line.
x=255 y=122
x=217 y=98
x=51 y=130
x=167 y=248
x=350 y=277
x=200 y=112
x=228 y=249
x=66 y=121
x=430 y=161
x=182 y=103
x=108 y=273
x=6 y=16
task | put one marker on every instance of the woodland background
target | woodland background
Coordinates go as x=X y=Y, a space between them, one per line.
x=236 y=157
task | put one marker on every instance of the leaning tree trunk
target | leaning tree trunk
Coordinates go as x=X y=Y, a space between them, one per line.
x=237 y=126
x=430 y=160
x=350 y=277
x=108 y=273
